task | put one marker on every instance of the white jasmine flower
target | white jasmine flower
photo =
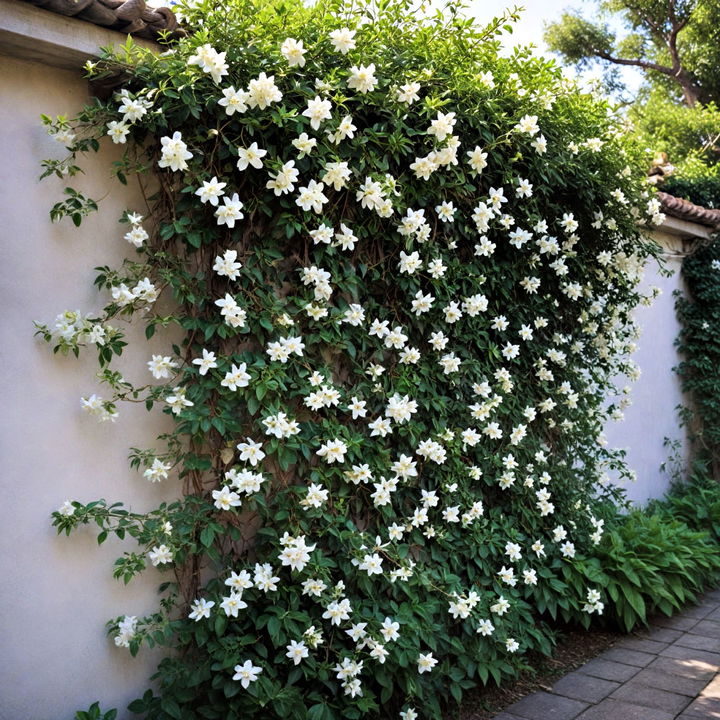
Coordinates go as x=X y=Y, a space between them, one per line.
x=296 y=651
x=452 y=312
x=485 y=628
x=337 y=174
x=446 y=212
x=450 y=363
x=294 y=52
x=252 y=155
x=227 y=265
x=161 y=555
x=438 y=340
x=210 y=61
x=236 y=378
x=539 y=144
x=264 y=578
x=409 y=263
x=157 y=471
x=233 y=100
x=426 y=662
x=230 y=211
x=442 y=125
x=304 y=144
x=337 y=611
x=200 y=609
x=67 y=509
x=408 y=93
x=246 y=673
x=118 y=131
x=226 y=499
x=380 y=427
x=318 y=110
x=423 y=167
x=232 y=604
x=422 y=303
x=206 y=362
x=323 y=234
x=283 y=181
x=345 y=130
x=161 y=366
x=315 y=497
x=174 y=152
x=262 y=91
x=132 y=109
x=524 y=188
x=343 y=40
x=528 y=124
x=357 y=407
x=362 y=78
x=477 y=159
x=311 y=197
x=345 y=238
x=178 y=401
x=251 y=451
x=211 y=191
x=333 y=451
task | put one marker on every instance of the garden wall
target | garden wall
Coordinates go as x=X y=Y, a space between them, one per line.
x=58 y=594
x=653 y=416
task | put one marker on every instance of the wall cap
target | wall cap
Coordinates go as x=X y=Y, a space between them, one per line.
x=30 y=33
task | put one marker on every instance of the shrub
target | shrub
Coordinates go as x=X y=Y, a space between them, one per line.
x=404 y=277
x=648 y=562
x=695 y=501
x=703 y=191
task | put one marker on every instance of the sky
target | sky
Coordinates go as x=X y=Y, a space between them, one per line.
x=530 y=27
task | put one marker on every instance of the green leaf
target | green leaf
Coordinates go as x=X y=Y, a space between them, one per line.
x=207 y=536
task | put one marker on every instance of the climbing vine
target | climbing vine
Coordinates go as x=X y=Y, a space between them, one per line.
x=699 y=315
x=402 y=267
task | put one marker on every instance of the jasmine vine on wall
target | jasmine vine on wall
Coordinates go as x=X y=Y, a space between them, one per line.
x=403 y=267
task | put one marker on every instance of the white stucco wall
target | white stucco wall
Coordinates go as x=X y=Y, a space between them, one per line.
x=58 y=592
x=653 y=415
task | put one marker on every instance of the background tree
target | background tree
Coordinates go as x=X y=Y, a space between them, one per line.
x=676 y=44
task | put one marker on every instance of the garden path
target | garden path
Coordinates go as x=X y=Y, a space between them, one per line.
x=670 y=671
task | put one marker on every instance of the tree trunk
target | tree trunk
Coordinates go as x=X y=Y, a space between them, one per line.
x=691 y=92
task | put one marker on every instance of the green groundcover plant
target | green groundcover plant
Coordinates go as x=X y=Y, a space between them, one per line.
x=403 y=269
x=648 y=561
x=696 y=501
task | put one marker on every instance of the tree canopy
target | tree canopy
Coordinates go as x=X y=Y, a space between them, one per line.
x=675 y=42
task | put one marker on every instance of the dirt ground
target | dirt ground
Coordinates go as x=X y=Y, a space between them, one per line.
x=574 y=649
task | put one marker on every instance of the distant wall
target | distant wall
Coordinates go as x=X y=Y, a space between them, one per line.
x=57 y=593
x=653 y=416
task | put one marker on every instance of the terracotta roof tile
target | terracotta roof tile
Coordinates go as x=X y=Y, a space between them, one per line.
x=132 y=17
x=685 y=210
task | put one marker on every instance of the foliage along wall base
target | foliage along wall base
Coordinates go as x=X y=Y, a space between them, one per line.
x=403 y=267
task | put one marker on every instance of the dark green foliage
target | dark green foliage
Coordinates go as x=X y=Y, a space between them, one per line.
x=699 y=346
x=695 y=501
x=704 y=191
